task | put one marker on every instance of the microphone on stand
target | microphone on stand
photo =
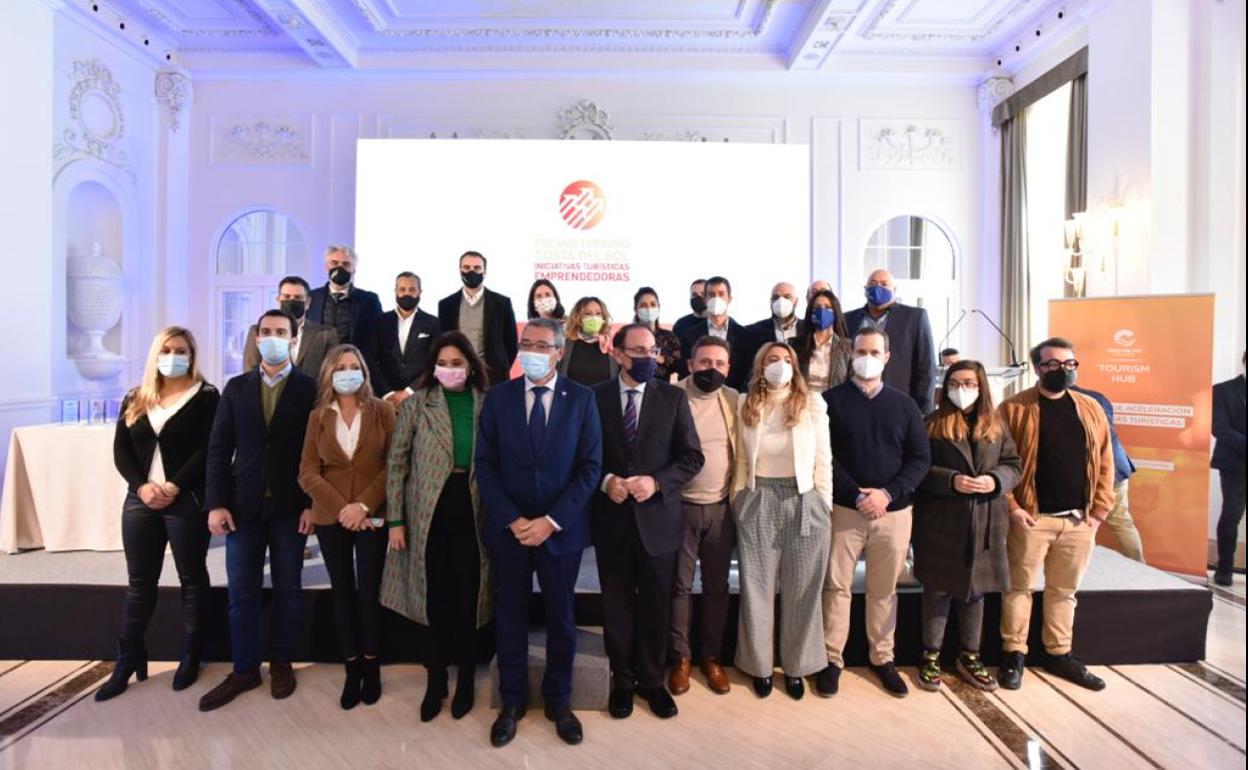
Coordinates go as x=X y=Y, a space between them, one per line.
x=1014 y=362
x=952 y=327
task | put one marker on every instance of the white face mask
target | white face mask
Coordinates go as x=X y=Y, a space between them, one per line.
x=545 y=304
x=648 y=315
x=868 y=367
x=782 y=307
x=778 y=373
x=716 y=306
x=963 y=398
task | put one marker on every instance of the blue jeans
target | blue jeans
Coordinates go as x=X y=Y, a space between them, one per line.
x=244 y=564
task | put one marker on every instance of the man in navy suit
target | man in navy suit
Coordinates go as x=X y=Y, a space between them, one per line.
x=400 y=341
x=912 y=365
x=253 y=497
x=650 y=452
x=538 y=460
x=1228 y=459
x=339 y=304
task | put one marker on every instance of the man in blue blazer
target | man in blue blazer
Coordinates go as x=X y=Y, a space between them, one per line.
x=912 y=365
x=538 y=460
x=252 y=496
x=350 y=311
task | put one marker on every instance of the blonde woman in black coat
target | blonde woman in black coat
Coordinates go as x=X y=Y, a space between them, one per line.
x=961 y=520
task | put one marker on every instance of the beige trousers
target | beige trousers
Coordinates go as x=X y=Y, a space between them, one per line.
x=1062 y=548
x=885 y=542
x=1122 y=525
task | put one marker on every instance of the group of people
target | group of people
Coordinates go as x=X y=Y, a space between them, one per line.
x=438 y=487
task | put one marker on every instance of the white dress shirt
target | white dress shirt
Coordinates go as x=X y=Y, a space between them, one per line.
x=158 y=415
x=348 y=435
x=548 y=401
x=471 y=299
x=717 y=331
x=405 y=328
x=281 y=375
x=637 y=399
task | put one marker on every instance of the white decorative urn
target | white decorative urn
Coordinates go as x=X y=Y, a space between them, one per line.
x=94 y=298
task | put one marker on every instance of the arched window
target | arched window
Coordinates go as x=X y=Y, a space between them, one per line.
x=255 y=251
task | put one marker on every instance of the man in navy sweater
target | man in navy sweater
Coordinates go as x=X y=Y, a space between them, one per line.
x=880 y=453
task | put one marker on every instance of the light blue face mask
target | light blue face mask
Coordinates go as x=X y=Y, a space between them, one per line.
x=173 y=365
x=274 y=350
x=535 y=365
x=348 y=381
x=648 y=315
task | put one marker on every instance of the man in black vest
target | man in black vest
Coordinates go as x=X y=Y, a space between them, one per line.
x=650 y=451
x=485 y=317
x=252 y=496
x=400 y=342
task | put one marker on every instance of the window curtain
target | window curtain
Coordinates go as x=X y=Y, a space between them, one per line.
x=1015 y=265
x=1077 y=148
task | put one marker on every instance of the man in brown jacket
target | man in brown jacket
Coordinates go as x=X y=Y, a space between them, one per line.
x=1065 y=493
x=709 y=529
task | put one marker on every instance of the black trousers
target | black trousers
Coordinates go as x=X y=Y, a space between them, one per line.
x=637 y=605
x=144 y=534
x=1232 y=514
x=452 y=578
x=354 y=561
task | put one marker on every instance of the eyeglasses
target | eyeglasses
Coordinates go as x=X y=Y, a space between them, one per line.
x=955 y=385
x=1053 y=365
x=642 y=352
x=536 y=347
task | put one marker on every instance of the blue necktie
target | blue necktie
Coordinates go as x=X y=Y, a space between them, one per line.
x=537 y=419
x=630 y=419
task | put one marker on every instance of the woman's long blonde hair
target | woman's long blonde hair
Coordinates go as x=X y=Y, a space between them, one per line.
x=147 y=394
x=325 y=391
x=572 y=326
x=756 y=397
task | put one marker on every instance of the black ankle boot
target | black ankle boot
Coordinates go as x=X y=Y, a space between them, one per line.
x=351 y=686
x=131 y=659
x=435 y=691
x=370 y=687
x=465 y=687
x=188 y=666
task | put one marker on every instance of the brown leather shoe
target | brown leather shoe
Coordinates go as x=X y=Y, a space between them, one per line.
x=282 y=680
x=678 y=677
x=233 y=686
x=716 y=679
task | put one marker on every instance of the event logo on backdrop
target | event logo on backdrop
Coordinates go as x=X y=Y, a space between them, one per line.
x=1153 y=358
x=582 y=206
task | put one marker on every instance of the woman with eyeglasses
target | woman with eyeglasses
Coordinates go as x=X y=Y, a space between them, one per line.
x=961 y=520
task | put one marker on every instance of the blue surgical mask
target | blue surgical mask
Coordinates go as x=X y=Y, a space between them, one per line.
x=823 y=318
x=535 y=365
x=274 y=350
x=879 y=296
x=348 y=381
x=648 y=315
x=173 y=364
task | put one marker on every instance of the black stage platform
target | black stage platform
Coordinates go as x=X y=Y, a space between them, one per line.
x=67 y=606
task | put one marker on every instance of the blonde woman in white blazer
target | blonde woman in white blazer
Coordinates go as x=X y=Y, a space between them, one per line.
x=782 y=502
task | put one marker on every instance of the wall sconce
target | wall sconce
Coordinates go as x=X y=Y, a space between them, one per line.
x=1076 y=274
x=1090 y=238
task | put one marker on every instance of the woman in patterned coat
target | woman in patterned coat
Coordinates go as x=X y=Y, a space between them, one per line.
x=437 y=573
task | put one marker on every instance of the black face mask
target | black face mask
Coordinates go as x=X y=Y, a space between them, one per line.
x=698 y=304
x=407 y=302
x=1059 y=380
x=340 y=276
x=295 y=308
x=472 y=279
x=708 y=380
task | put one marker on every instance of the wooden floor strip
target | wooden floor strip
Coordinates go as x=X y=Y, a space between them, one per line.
x=1120 y=672
x=40 y=691
x=1230 y=597
x=25 y=720
x=1030 y=751
x=13 y=665
x=1104 y=726
x=1220 y=682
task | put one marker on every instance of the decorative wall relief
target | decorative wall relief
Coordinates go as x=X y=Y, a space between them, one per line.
x=173 y=90
x=585 y=120
x=277 y=140
x=909 y=144
x=97 y=123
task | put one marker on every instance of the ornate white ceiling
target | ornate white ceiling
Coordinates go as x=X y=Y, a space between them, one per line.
x=821 y=35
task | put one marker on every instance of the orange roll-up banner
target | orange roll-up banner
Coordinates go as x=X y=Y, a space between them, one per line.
x=1153 y=358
